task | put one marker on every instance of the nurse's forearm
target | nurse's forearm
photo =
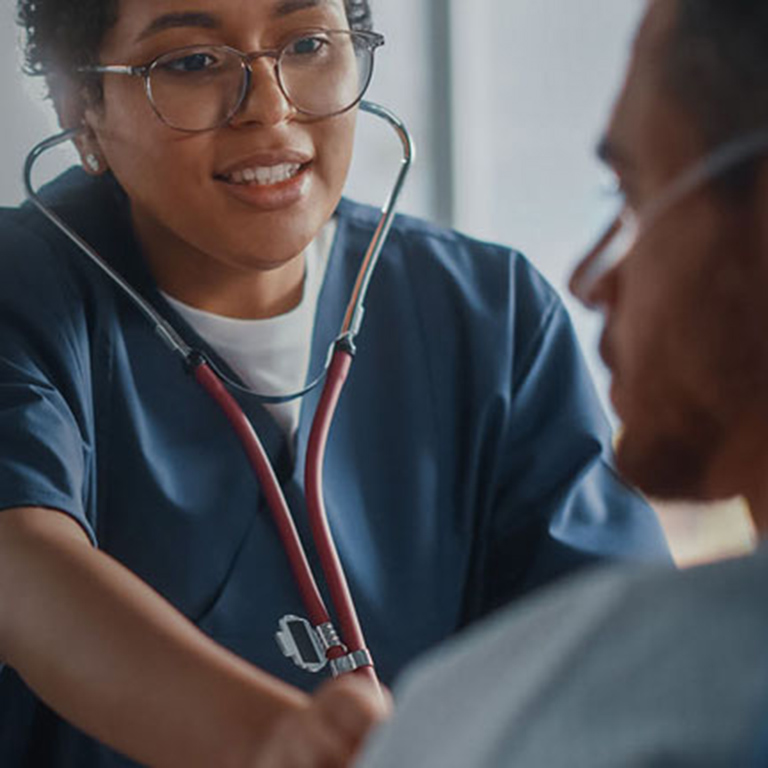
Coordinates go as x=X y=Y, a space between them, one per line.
x=114 y=658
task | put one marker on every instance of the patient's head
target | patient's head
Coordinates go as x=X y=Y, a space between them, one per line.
x=682 y=275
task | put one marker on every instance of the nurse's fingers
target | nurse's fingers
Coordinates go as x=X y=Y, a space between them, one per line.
x=331 y=730
x=352 y=705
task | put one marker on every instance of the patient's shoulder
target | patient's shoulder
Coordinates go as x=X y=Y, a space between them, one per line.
x=571 y=676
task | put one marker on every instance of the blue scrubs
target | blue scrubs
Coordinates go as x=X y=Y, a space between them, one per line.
x=467 y=463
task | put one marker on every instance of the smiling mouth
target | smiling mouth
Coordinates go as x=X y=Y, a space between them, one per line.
x=264 y=176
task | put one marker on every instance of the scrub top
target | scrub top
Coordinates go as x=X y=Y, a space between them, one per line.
x=469 y=460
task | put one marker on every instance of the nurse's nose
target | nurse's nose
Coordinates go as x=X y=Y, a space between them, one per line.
x=264 y=102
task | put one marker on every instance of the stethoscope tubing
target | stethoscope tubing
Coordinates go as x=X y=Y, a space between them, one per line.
x=333 y=571
x=354 y=316
x=162 y=327
x=351 y=640
x=259 y=461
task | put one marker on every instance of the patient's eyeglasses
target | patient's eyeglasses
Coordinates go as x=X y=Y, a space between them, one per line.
x=630 y=226
x=321 y=73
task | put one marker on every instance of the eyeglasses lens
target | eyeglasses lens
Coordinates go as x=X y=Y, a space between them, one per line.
x=623 y=240
x=197 y=88
x=613 y=245
x=616 y=243
x=321 y=74
x=326 y=74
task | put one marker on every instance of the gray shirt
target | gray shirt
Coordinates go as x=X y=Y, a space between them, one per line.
x=621 y=667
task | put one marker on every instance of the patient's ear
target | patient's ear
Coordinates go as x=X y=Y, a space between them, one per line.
x=75 y=109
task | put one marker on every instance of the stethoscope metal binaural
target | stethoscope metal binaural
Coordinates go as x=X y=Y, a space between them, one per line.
x=315 y=642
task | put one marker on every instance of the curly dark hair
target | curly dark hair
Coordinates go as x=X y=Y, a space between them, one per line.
x=62 y=35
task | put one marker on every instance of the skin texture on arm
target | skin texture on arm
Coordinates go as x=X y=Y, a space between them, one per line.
x=113 y=657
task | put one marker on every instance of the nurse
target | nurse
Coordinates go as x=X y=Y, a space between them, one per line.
x=141 y=578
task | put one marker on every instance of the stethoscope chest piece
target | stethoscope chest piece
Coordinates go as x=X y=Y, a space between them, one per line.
x=312 y=648
x=302 y=643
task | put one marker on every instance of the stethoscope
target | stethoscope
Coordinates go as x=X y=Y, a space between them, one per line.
x=311 y=643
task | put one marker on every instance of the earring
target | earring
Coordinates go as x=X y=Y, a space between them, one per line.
x=93 y=162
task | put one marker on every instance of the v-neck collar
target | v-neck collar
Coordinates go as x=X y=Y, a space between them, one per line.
x=288 y=460
x=112 y=234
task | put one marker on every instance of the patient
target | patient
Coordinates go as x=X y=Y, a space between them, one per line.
x=646 y=666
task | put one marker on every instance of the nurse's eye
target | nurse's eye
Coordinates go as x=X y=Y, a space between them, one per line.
x=307 y=47
x=192 y=63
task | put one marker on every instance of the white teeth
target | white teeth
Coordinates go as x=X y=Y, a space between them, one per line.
x=266 y=175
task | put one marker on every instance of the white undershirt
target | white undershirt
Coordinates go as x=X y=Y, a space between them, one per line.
x=271 y=356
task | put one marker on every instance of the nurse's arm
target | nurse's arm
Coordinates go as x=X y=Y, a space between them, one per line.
x=110 y=655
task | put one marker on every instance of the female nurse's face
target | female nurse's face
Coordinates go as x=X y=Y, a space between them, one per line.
x=199 y=220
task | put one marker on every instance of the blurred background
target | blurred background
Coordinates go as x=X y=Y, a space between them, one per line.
x=506 y=100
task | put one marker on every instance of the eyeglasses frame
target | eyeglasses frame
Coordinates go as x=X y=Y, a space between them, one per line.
x=713 y=165
x=372 y=40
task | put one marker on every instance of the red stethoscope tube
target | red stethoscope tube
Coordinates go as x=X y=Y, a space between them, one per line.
x=351 y=631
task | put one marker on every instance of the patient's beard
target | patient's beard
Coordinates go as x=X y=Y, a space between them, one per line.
x=672 y=466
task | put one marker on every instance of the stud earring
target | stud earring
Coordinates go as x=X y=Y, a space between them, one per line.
x=93 y=162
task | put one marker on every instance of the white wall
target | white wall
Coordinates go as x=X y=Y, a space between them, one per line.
x=402 y=82
x=530 y=103
x=24 y=117
x=525 y=159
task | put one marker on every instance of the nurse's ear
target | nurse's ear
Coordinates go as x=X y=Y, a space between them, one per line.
x=76 y=106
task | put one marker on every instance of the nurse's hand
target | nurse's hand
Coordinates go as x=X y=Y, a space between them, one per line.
x=330 y=731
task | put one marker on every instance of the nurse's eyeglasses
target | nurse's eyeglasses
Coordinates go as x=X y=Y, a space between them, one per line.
x=321 y=73
x=630 y=226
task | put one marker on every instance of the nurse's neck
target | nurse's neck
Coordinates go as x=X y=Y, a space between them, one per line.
x=235 y=286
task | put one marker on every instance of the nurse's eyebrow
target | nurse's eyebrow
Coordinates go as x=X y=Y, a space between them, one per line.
x=203 y=20
x=197 y=19
x=287 y=7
